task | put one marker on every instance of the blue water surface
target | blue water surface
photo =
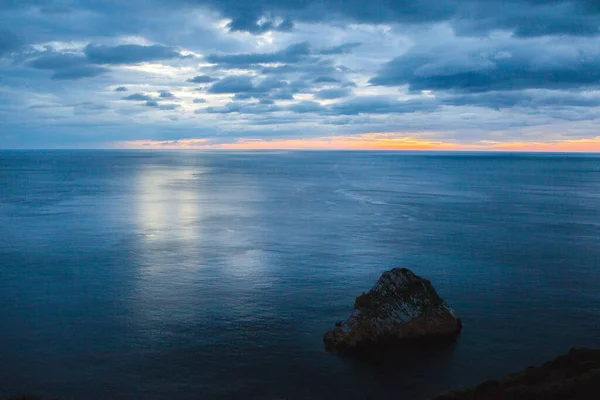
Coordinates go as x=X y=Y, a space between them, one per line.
x=213 y=275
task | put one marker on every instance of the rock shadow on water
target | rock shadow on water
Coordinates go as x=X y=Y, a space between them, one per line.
x=386 y=352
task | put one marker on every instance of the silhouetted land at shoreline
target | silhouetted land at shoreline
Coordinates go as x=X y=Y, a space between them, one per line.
x=573 y=376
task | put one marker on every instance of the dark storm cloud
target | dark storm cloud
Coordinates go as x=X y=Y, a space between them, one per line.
x=128 y=53
x=121 y=89
x=523 y=17
x=202 y=79
x=510 y=67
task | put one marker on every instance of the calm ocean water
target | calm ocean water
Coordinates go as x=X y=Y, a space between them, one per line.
x=213 y=275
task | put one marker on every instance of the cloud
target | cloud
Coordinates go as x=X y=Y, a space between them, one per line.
x=326 y=79
x=254 y=17
x=284 y=94
x=78 y=72
x=341 y=49
x=473 y=69
x=245 y=88
x=524 y=18
x=165 y=94
x=53 y=61
x=90 y=105
x=128 y=53
x=532 y=18
x=247 y=22
x=306 y=106
x=525 y=99
x=485 y=67
x=139 y=97
x=382 y=105
x=169 y=106
x=241 y=108
x=8 y=42
x=289 y=55
x=232 y=84
x=87 y=105
x=336 y=93
x=285 y=26
x=166 y=106
x=66 y=66
x=279 y=70
x=202 y=79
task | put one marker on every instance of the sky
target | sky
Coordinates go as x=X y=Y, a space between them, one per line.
x=516 y=75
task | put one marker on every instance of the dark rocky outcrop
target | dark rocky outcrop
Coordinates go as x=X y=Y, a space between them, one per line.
x=400 y=306
x=574 y=376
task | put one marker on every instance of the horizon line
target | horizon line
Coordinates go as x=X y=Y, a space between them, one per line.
x=217 y=149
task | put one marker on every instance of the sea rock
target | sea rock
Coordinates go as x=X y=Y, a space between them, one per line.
x=400 y=306
x=573 y=376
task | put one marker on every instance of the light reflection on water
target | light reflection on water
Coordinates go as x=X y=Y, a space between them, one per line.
x=214 y=275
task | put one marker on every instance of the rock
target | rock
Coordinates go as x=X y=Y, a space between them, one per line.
x=400 y=306
x=574 y=376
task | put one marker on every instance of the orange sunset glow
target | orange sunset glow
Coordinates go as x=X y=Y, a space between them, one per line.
x=369 y=141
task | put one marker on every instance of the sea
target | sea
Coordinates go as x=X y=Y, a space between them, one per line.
x=214 y=275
